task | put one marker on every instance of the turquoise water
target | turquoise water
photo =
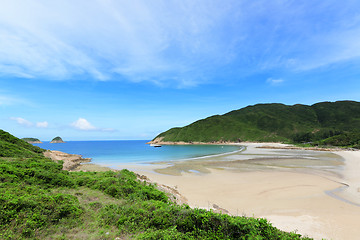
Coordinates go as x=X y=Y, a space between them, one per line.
x=119 y=152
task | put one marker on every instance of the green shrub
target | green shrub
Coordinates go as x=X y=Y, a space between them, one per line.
x=164 y=234
x=26 y=209
x=154 y=219
x=122 y=184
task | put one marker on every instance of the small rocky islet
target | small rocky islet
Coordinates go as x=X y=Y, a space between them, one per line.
x=57 y=140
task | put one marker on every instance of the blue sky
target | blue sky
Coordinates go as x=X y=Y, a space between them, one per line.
x=106 y=69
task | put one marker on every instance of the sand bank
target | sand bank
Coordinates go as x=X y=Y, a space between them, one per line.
x=294 y=189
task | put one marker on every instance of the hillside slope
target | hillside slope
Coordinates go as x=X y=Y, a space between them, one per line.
x=272 y=122
x=11 y=146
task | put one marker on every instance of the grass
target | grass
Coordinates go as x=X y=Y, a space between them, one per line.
x=90 y=227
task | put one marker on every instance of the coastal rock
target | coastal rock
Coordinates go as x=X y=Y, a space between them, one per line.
x=57 y=140
x=71 y=161
x=172 y=192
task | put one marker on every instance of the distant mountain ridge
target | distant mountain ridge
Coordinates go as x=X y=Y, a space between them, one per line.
x=272 y=122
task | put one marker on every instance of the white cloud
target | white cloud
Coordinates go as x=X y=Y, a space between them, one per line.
x=27 y=123
x=44 y=124
x=22 y=121
x=83 y=124
x=274 y=81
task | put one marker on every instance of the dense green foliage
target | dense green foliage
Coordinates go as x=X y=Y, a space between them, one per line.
x=351 y=139
x=158 y=220
x=11 y=146
x=273 y=122
x=39 y=200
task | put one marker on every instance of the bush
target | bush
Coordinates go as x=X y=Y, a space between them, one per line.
x=122 y=184
x=158 y=220
x=37 y=171
x=26 y=209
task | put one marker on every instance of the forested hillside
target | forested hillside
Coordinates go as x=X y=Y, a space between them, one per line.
x=275 y=122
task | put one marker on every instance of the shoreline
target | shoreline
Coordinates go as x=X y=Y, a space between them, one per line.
x=292 y=199
x=310 y=200
x=269 y=145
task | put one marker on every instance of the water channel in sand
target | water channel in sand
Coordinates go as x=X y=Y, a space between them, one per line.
x=297 y=190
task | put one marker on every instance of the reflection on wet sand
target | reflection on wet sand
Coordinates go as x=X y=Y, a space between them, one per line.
x=315 y=193
x=258 y=160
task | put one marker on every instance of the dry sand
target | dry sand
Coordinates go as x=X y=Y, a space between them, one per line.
x=296 y=190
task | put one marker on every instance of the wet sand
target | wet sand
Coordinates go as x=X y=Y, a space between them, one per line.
x=311 y=192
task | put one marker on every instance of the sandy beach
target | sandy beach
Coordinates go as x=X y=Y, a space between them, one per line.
x=311 y=192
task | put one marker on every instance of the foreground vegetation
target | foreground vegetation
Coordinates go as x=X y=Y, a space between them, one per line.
x=39 y=200
x=326 y=123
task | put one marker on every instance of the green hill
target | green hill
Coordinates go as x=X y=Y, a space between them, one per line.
x=39 y=200
x=11 y=146
x=272 y=122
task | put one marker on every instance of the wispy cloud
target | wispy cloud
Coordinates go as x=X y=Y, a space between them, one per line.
x=274 y=81
x=22 y=121
x=26 y=123
x=183 y=44
x=5 y=100
x=8 y=100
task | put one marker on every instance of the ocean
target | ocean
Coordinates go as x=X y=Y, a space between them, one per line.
x=111 y=153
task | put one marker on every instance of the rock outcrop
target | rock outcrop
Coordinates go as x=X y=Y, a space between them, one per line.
x=71 y=161
x=172 y=192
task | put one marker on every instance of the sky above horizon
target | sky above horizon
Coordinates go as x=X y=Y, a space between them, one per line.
x=106 y=69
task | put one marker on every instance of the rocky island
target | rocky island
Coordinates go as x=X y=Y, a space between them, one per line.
x=57 y=140
x=31 y=140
